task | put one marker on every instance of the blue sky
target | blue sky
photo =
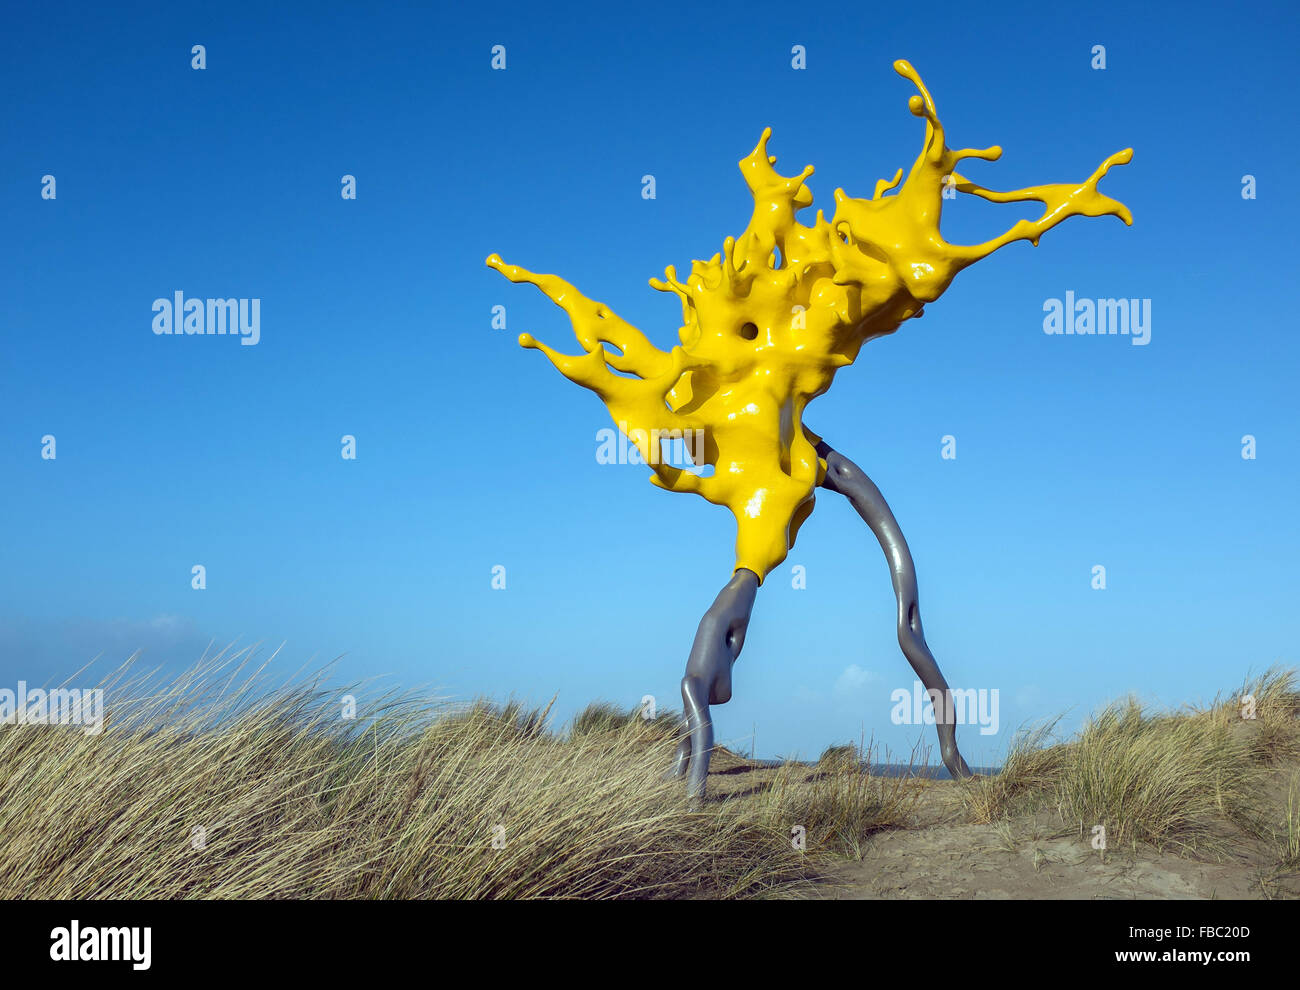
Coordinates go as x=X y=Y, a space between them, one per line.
x=375 y=322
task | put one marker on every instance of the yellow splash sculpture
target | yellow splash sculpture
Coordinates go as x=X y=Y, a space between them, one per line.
x=767 y=323
x=765 y=326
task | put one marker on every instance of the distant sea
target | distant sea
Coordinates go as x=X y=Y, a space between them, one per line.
x=939 y=772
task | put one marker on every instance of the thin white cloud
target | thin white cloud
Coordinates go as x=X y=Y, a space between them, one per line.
x=852 y=681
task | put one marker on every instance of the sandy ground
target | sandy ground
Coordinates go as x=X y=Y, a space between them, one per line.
x=1031 y=857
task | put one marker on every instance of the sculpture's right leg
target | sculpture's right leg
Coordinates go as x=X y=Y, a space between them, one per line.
x=718 y=642
x=845 y=477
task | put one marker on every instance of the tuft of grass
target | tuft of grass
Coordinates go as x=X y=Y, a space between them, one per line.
x=1030 y=770
x=840 y=757
x=1161 y=779
x=1289 y=840
x=1275 y=726
x=841 y=803
x=221 y=786
x=1181 y=779
x=601 y=717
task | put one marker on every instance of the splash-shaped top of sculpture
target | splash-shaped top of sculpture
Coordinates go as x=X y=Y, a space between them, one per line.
x=768 y=322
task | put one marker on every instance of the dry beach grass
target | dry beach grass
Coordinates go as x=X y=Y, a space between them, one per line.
x=219 y=785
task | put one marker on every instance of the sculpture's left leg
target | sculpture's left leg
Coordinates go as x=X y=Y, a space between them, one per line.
x=845 y=477
x=718 y=642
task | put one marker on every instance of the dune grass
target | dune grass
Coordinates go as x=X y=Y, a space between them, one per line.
x=842 y=803
x=602 y=717
x=1180 y=779
x=1160 y=779
x=223 y=785
x=1289 y=835
x=216 y=786
x=1031 y=768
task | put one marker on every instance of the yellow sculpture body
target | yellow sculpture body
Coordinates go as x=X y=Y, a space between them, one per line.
x=768 y=322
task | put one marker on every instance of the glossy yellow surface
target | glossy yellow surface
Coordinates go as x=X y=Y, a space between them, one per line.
x=767 y=323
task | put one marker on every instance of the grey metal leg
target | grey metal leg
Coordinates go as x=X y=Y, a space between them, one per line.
x=845 y=477
x=718 y=642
